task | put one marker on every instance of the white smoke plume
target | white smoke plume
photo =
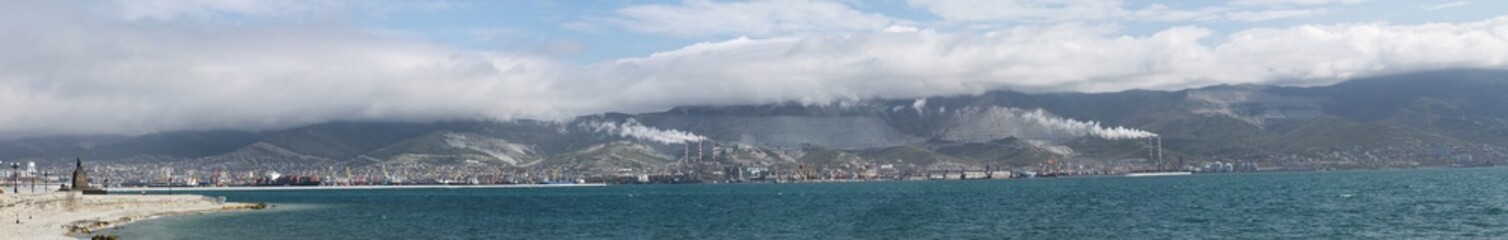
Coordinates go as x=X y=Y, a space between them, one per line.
x=976 y=124
x=920 y=105
x=633 y=129
x=1092 y=128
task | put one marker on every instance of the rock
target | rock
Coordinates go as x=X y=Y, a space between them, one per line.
x=245 y=206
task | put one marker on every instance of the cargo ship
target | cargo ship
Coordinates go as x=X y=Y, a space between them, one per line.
x=1158 y=174
x=287 y=181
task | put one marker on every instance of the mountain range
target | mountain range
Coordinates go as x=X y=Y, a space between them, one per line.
x=1426 y=118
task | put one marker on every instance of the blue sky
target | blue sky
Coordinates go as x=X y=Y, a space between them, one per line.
x=143 y=66
x=531 y=25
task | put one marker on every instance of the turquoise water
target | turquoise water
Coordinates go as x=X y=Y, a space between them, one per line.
x=1430 y=203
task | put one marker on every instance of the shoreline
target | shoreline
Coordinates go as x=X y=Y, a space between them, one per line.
x=276 y=188
x=70 y=215
x=87 y=228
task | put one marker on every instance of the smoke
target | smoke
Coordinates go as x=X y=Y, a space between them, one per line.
x=977 y=124
x=1091 y=128
x=919 y=105
x=633 y=129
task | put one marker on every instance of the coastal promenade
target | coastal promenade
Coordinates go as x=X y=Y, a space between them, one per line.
x=67 y=215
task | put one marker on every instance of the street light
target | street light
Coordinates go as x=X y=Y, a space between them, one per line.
x=16 y=188
x=15 y=179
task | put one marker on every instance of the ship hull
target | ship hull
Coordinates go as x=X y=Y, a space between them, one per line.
x=1158 y=174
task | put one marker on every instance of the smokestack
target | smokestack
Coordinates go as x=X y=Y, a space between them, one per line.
x=1159 y=149
x=699 y=156
x=1151 y=153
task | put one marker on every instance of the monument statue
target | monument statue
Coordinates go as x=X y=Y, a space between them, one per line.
x=81 y=179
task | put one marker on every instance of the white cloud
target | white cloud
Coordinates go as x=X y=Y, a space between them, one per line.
x=80 y=73
x=826 y=68
x=1037 y=11
x=698 y=18
x=901 y=29
x=492 y=34
x=170 y=9
x=83 y=73
x=163 y=10
x=1294 y=2
x=1446 y=5
x=1022 y=10
x=1268 y=15
x=1159 y=12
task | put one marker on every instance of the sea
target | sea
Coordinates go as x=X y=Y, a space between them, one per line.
x=1391 y=204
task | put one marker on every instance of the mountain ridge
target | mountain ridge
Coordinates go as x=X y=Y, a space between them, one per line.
x=1404 y=114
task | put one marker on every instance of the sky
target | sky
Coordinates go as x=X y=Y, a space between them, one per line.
x=146 y=66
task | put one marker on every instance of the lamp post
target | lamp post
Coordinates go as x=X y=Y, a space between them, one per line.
x=15 y=179
x=15 y=187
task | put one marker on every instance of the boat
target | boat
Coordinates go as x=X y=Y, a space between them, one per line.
x=1158 y=174
x=564 y=182
x=1027 y=174
x=281 y=181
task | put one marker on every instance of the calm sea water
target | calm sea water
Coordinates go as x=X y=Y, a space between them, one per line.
x=1430 y=203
